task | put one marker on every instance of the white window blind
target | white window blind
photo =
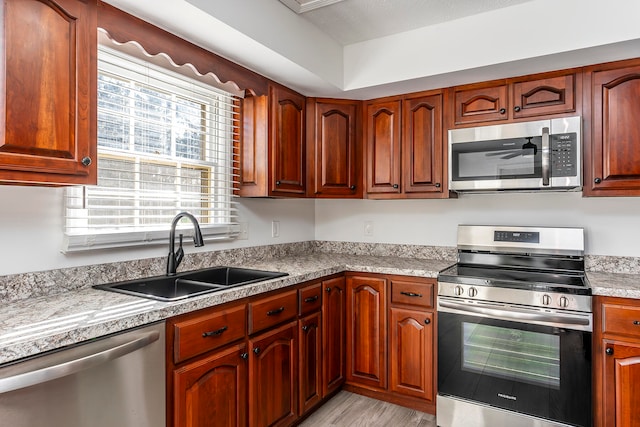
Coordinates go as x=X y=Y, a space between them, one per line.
x=165 y=145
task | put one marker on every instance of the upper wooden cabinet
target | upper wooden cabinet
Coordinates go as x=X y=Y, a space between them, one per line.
x=612 y=154
x=517 y=98
x=334 y=153
x=48 y=75
x=404 y=147
x=273 y=161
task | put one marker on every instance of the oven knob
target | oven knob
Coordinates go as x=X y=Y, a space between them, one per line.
x=473 y=292
x=546 y=300
x=564 y=302
x=458 y=290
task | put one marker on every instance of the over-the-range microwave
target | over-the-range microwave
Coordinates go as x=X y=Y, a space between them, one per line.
x=526 y=156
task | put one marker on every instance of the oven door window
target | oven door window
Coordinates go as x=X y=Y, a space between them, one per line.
x=525 y=356
x=501 y=159
x=537 y=370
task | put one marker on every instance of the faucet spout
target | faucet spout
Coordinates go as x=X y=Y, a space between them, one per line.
x=175 y=257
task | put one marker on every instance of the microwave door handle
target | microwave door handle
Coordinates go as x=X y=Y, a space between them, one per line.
x=546 y=156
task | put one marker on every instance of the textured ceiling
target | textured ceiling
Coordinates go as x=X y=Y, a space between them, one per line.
x=352 y=21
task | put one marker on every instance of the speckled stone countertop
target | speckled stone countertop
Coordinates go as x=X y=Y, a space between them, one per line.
x=44 y=323
x=622 y=285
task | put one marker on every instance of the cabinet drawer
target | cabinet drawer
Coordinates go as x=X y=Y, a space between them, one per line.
x=273 y=310
x=310 y=299
x=204 y=333
x=620 y=319
x=412 y=293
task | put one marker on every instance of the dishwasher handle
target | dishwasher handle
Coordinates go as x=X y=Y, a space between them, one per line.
x=70 y=367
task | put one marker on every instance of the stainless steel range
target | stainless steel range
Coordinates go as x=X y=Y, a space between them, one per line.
x=514 y=330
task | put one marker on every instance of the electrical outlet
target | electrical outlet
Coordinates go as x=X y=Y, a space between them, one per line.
x=244 y=231
x=275 y=228
x=368 y=228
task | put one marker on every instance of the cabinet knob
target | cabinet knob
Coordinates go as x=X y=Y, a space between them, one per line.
x=609 y=351
x=437 y=185
x=517 y=109
x=427 y=321
x=352 y=188
x=597 y=180
x=256 y=350
x=244 y=355
x=636 y=322
x=395 y=185
x=86 y=161
x=278 y=182
x=502 y=110
x=328 y=289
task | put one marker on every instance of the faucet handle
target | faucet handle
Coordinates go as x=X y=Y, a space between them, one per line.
x=179 y=252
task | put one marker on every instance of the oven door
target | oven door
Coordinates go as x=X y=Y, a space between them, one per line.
x=541 y=371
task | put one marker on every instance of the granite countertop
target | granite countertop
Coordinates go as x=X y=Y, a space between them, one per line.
x=615 y=284
x=40 y=324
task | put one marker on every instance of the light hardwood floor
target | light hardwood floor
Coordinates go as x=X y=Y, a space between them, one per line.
x=352 y=410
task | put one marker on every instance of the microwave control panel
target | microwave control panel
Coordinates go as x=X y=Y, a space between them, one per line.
x=564 y=158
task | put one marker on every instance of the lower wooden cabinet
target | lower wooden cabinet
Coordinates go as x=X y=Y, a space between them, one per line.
x=273 y=364
x=333 y=334
x=616 y=362
x=212 y=391
x=310 y=377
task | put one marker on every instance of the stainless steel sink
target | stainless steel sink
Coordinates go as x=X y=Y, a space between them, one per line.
x=190 y=283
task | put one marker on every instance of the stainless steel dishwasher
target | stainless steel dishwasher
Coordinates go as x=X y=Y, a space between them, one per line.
x=114 y=381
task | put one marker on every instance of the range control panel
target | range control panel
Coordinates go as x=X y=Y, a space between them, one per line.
x=516 y=236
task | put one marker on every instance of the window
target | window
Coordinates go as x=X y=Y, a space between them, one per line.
x=165 y=145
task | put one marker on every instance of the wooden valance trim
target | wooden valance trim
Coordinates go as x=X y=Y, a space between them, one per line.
x=123 y=27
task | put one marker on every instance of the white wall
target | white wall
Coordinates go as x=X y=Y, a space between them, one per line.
x=31 y=230
x=612 y=225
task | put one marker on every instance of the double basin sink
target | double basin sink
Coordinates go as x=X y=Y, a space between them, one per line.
x=191 y=283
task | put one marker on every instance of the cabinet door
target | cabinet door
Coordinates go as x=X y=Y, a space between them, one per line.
x=333 y=335
x=287 y=142
x=366 y=331
x=333 y=153
x=551 y=95
x=621 y=384
x=613 y=153
x=411 y=353
x=422 y=159
x=212 y=391
x=481 y=103
x=48 y=75
x=383 y=147
x=273 y=371
x=310 y=378
x=254 y=158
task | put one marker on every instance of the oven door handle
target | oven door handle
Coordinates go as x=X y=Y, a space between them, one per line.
x=514 y=314
x=546 y=157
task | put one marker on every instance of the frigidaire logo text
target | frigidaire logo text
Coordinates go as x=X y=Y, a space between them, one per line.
x=506 y=396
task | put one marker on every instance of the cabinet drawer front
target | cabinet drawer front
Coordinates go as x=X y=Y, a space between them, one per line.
x=310 y=299
x=199 y=335
x=412 y=293
x=622 y=320
x=270 y=311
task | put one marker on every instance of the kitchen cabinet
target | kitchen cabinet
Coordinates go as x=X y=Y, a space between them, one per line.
x=366 y=331
x=272 y=147
x=333 y=334
x=523 y=97
x=405 y=156
x=616 y=362
x=310 y=377
x=334 y=148
x=48 y=80
x=212 y=390
x=612 y=158
x=273 y=364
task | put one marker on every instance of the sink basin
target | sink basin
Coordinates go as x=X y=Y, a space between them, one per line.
x=190 y=283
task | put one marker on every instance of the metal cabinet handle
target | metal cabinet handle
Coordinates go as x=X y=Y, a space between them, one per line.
x=328 y=289
x=276 y=311
x=411 y=294
x=437 y=185
x=86 y=161
x=502 y=110
x=307 y=327
x=597 y=180
x=244 y=355
x=427 y=321
x=215 y=333
x=256 y=350
x=278 y=182
x=516 y=109
x=636 y=322
x=311 y=299
x=72 y=366
x=395 y=185
x=352 y=188
x=609 y=351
